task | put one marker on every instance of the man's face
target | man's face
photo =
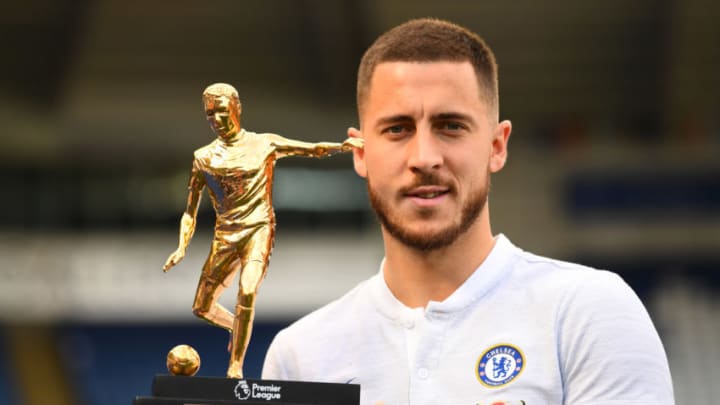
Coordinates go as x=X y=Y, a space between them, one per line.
x=430 y=146
x=223 y=114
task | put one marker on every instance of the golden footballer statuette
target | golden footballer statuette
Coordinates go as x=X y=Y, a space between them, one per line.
x=237 y=169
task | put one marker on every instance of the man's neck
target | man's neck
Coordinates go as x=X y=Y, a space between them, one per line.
x=418 y=277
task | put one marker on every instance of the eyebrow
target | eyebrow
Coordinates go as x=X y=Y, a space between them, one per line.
x=446 y=116
x=392 y=119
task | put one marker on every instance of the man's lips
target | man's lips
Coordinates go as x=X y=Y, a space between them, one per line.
x=426 y=192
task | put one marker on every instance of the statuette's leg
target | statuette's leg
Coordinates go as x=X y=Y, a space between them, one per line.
x=221 y=265
x=250 y=279
x=242 y=330
x=216 y=315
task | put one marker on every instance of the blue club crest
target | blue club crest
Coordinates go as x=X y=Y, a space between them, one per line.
x=499 y=365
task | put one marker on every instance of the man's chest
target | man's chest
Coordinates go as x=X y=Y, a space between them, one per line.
x=478 y=360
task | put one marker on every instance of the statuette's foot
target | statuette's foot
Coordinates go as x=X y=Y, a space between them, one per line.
x=235 y=370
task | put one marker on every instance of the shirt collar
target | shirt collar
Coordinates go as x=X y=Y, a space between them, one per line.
x=480 y=282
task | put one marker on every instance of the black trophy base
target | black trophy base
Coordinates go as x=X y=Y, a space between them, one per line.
x=177 y=390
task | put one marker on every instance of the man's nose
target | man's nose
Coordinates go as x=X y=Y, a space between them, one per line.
x=425 y=151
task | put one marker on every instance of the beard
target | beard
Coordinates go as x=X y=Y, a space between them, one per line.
x=423 y=240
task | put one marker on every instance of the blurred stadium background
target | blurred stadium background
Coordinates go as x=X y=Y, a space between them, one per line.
x=614 y=163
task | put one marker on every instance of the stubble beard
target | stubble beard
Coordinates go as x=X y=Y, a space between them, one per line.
x=422 y=240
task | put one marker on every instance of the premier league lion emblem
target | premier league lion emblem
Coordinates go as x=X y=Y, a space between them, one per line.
x=242 y=390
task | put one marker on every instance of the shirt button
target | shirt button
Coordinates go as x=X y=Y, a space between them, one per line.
x=423 y=373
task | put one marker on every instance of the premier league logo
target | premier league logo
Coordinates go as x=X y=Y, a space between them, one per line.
x=242 y=390
x=499 y=365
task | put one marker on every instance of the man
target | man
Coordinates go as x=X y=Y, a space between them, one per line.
x=455 y=315
x=237 y=169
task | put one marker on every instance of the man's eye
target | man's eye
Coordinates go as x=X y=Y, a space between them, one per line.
x=452 y=126
x=396 y=130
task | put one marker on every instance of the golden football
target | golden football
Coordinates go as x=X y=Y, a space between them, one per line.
x=183 y=360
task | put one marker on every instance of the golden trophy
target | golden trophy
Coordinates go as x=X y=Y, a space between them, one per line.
x=237 y=170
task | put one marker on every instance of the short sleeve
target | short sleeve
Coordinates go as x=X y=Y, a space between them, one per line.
x=609 y=350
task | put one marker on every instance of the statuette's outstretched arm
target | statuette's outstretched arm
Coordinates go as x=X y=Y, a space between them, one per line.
x=290 y=147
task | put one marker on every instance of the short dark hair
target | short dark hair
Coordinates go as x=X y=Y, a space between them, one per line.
x=431 y=40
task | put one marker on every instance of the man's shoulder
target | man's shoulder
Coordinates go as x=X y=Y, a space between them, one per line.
x=528 y=264
x=572 y=288
x=560 y=279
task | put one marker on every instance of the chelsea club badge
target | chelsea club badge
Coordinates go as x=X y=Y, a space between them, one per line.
x=499 y=365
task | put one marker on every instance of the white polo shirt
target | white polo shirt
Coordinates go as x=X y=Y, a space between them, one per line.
x=522 y=329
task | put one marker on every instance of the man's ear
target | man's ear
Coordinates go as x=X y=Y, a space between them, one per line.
x=499 y=152
x=358 y=153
